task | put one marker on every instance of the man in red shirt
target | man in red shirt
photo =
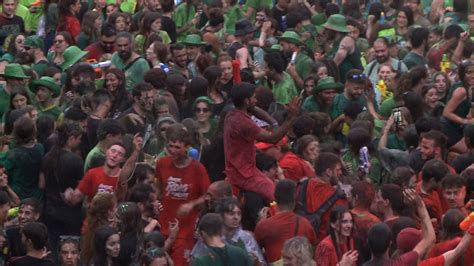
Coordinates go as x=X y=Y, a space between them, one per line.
x=363 y=195
x=182 y=183
x=105 y=45
x=454 y=192
x=271 y=233
x=240 y=134
x=104 y=179
x=328 y=168
x=433 y=172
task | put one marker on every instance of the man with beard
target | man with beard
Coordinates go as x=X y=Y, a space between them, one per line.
x=344 y=51
x=105 y=45
x=282 y=84
x=323 y=95
x=240 y=134
x=382 y=56
x=419 y=44
x=141 y=110
x=129 y=61
x=15 y=78
x=194 y=45
x=354 y=92
x=299 y=69
x=179 y=56
x=34 y=47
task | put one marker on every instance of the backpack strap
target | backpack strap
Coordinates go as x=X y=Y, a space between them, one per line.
x=301 y=204
x=399 y=65
x=372 y=68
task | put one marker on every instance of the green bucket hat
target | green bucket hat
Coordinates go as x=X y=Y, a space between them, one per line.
x=193 y=40
x=34 y=42
x=47 y=82
x=291 y=37
x=14 y=71
x=274 y=49
x=203 y=99
x=336 y=22
x=326 y=84
x=72 y=55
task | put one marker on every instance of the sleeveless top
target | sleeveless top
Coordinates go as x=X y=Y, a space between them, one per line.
x=350 y=62
x=464 y=107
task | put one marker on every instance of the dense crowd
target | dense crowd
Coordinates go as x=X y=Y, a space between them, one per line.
x=225 y=132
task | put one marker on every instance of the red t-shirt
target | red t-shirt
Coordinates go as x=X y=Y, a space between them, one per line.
x=363 y=221
x=436 y=261
x=271 y=233
x=407 y=259
x=295 y=167
x=95 y=51
x=445 y=246
x=240 y=133
x=96 y=181
x=325 y=253
x=179 y=186
x=318 y=192
x=72 y=25
x=432 y=202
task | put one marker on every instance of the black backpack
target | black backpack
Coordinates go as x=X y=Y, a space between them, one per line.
x=315 y=217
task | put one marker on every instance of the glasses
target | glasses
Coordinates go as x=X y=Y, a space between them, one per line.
x=357 y=76
x=201 y=110
x=58 y=41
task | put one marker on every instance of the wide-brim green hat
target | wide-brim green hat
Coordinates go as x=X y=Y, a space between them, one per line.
x=291 y=37
x=336 y=22
x=193 y=40
x=47 y=82
x=72 y=55
x=14 y=71
x=328 y=83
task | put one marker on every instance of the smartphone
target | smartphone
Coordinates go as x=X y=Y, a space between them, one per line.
x=397 y=117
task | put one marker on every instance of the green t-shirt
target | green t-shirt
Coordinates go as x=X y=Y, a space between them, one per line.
x=227 y=256
x=413 y=59
x=232 y=15
x=39 y=68
x=95 y=154
x=387 y=106
x=83 y=40
x=182 y=16
x=375 y=172
x=134 y=73
x=303 y=65
x=54 y=112
x=310 y=104
x=23 y=165
x=340 y=103
x=141 y=40
x=284 y=90
x=393 y=142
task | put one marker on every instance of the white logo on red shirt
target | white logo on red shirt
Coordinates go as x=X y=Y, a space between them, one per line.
x=176 y=189
x=102 y=188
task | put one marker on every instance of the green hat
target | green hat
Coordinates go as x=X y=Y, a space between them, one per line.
x=291 y=37
x=274 y=49
x=34 y=42
x=203 y=99
x=14 y=71
x=111 y=2
x=72 y=55
x=47 y=82
x=336 y=22
x=326 y=84
x=193 y=40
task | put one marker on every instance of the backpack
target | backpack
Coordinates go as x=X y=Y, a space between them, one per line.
x=315 y=217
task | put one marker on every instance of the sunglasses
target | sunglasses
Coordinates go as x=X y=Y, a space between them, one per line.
x=201 y=110
x=357 y=76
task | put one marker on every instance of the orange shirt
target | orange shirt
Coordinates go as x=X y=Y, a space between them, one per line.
x=318 y=192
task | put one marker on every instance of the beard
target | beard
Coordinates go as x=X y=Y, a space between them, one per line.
x=125 y=55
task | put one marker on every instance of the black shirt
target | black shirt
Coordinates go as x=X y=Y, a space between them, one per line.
x=9 y=26
x=279 y=15
x=168 y=25
x=463 y=161
x=30 y=261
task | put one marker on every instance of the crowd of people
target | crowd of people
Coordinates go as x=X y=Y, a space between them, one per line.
x=225 y=132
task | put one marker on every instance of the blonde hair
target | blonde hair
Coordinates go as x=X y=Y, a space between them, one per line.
x=300 y=248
